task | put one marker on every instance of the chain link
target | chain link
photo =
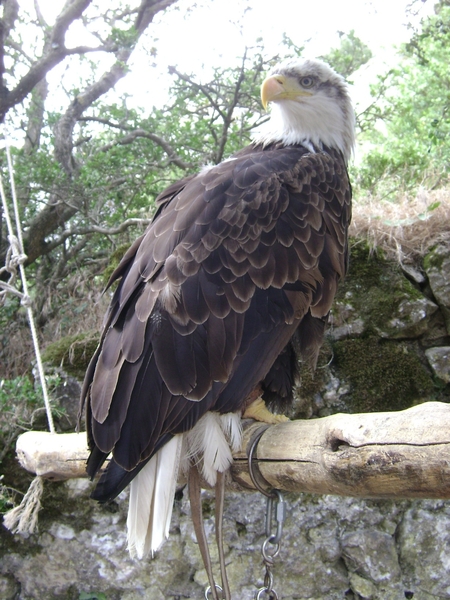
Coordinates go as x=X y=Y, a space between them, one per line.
x=276 y=505
x=208 y=591
x=271 y=546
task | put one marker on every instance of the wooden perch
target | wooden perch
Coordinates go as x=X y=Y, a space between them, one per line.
x=376 y=455
x=55 y=456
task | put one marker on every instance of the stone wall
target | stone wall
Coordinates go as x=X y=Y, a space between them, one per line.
x=388 y=348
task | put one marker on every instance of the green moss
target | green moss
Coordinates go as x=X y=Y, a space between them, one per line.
x=375 y=288
x=369 y=269
x=365 y=262
x=383 y=375
x=114 y=261
x=313 y=382
x=435 y=258
x=72 y=352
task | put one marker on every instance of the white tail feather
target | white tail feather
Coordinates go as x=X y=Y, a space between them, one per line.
x=152 y=490
x=151 y=500
x=209 y=443
x=232 y=426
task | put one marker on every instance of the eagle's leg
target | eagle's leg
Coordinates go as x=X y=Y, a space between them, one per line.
x=258 y=410
x=197 y=520
x=220 y=496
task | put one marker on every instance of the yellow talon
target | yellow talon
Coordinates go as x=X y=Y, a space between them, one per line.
x=258 y=410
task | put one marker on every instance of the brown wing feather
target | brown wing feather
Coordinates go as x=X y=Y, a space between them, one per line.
x=210 y=296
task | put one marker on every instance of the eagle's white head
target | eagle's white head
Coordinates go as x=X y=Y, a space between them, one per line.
x=311 y=105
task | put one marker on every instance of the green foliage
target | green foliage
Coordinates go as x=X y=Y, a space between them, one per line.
x=6 y=498
x=408 y=131
x=20 y=396
x=17 y=391
x=351 y=54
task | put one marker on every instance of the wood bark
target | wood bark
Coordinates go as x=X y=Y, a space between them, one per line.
x=402 y=454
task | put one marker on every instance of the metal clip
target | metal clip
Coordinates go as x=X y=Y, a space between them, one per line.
x=280 y=516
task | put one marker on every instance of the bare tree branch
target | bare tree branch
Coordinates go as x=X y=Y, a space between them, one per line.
x=206 y=91
x=147 y=10
x=89 y=49
x=228 y=116
x=82 y=231
x=39 y=15
x=107 y=122
x=57 y=213
x=64 y=128
x=35 y=116
x=55 y=52
x=141 y=133
x=10 y=14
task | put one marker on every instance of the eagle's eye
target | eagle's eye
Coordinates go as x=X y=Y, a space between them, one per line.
x=307 y=82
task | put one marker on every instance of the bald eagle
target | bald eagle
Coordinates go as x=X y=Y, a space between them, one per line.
x=236 y=272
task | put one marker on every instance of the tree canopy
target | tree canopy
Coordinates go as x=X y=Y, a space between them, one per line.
x=408 y=127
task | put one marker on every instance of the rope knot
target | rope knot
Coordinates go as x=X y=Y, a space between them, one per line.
x=18 y=259
x=26 y=301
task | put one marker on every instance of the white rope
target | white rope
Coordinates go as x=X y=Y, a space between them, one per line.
x=22 y=519
x=17 y=257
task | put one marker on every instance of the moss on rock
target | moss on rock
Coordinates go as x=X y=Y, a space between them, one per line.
x=72 y=352
x=383 y=375
x=377 y=292
x=114 y=262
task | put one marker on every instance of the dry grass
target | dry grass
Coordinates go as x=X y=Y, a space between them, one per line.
x=79 y=307
x=407 y=228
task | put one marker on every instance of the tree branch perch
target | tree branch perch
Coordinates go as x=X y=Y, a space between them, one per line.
x=376 y=455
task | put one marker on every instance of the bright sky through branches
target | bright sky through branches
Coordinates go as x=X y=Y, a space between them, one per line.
x=197 y=36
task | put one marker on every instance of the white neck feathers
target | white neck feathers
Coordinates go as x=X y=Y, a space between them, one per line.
x=315 y=120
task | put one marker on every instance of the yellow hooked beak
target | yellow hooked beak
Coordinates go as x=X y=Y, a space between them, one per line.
x=279 y=87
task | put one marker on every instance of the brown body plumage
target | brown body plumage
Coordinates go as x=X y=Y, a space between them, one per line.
x=238 y=261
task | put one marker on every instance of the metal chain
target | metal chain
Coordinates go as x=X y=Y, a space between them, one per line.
x=270 y=548
x=208 y=591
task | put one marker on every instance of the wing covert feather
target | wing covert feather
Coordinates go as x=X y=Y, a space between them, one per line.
x=235 y=258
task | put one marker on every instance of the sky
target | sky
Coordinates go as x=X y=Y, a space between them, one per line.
x=217 y=31
x=196 y=36
x=222 y=26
